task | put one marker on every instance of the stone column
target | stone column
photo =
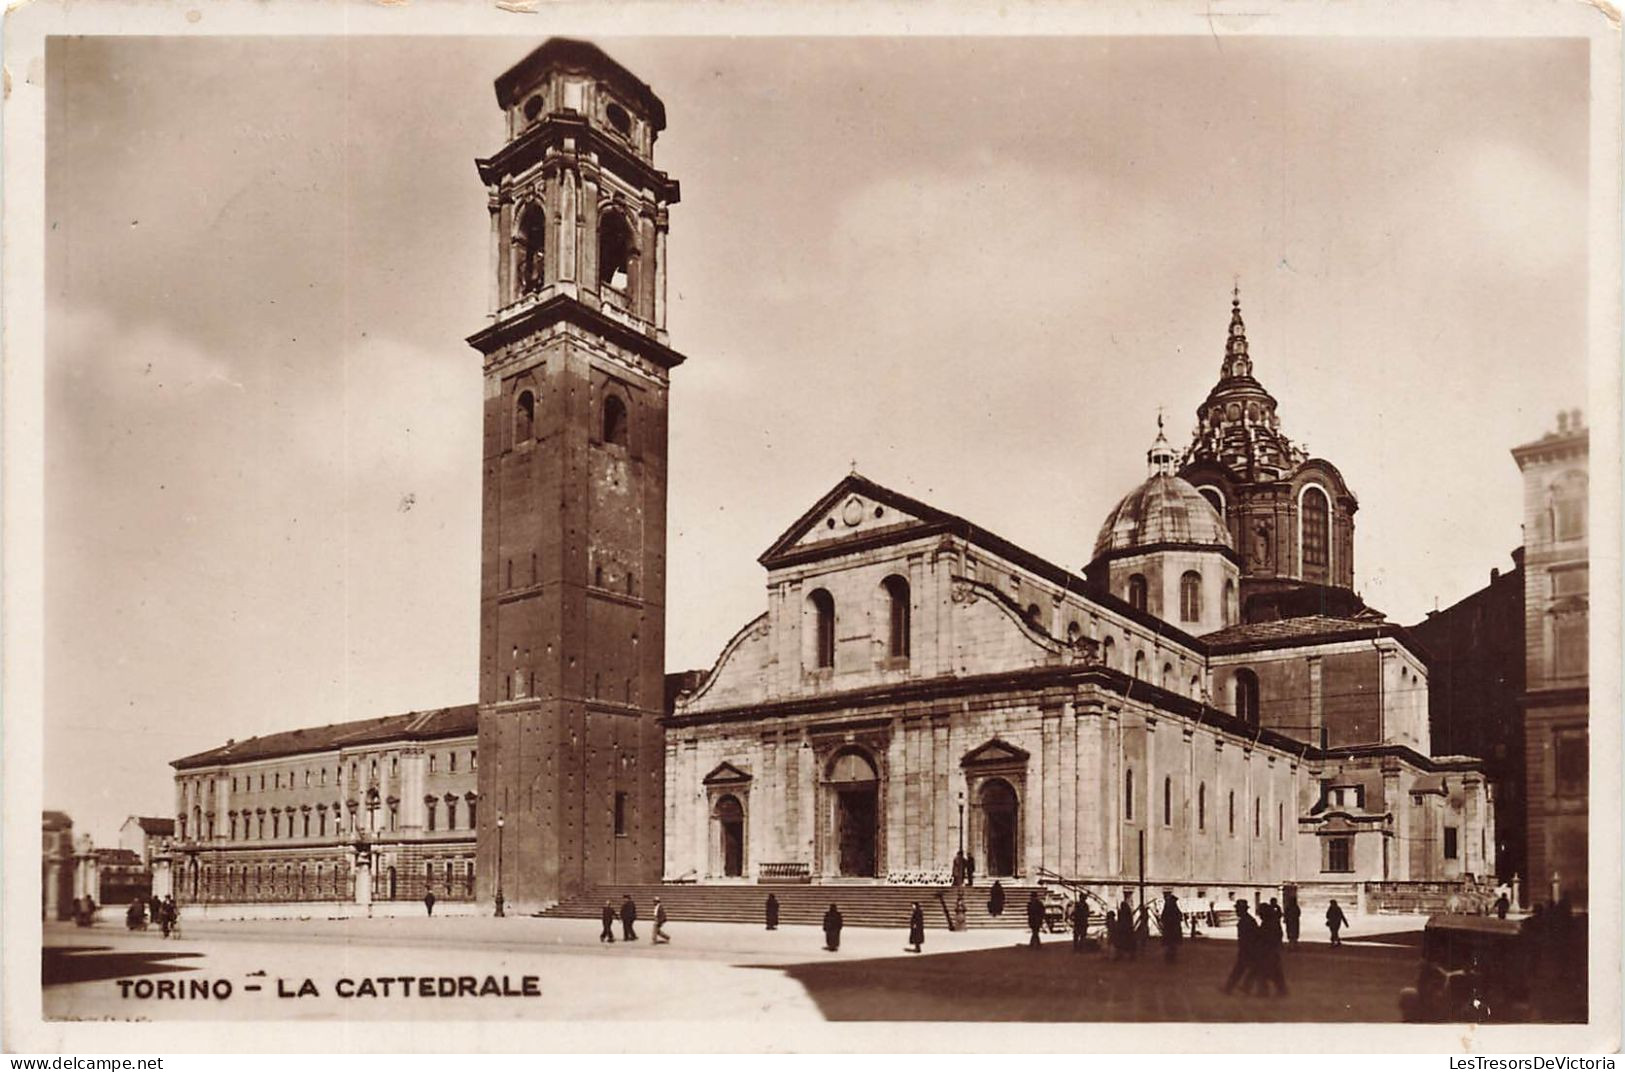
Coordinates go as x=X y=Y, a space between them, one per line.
x=1111 y=789
x=493 y=297
x=1049 y=779
x=1092 y=779
x=671 y=867
x=660 y=272
x=1067 y=804
x=1151 y=821
x=569 y=227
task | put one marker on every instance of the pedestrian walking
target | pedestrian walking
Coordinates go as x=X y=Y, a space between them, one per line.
x=832 y=929
x=1267 y=967
x=995 y=900
x=1125 y=928
x=959 y=867
x=659 y=937
x=1109 y=934
x=172 y=917
x=1035 y=918
x=629 y=916
x=1212 y=916
x=1292 y=916
x=970 y=870
x=1080 y=923
x=916 y=928
x=772 y=912
x=428 y=901
x=1246 y=951
x=1502 y=904
x=1335 y=922
x=608 y=933
x=1172 y=927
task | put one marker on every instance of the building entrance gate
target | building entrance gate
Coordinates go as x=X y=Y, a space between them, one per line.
x=855 y=795
x=999 y=813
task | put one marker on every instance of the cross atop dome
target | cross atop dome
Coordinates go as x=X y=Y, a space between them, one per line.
x=1236 y=362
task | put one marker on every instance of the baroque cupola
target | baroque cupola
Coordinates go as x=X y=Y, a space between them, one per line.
x=1165 y=550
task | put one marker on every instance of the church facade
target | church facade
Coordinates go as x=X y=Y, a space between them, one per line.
x=919 y=687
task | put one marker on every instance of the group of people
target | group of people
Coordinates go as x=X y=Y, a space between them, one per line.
x=629 y=916
x=964 y=869
x=166 y=913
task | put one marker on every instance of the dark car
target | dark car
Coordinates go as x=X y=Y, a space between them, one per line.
x=1474 y=969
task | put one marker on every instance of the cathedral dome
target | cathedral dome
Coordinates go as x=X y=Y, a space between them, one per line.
x=1163 y=510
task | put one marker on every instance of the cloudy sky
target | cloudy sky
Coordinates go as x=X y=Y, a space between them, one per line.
x=975 y=267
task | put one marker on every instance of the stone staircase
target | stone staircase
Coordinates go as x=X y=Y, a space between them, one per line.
x=861 y=904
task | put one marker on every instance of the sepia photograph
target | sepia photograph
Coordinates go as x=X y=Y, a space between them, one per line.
x=1073 y=524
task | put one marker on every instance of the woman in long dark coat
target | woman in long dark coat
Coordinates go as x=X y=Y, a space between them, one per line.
x=995 y=900
x=916 y=928
x=772 y=912
x=832 y=929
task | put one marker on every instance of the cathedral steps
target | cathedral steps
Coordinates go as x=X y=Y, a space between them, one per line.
x=861 y=905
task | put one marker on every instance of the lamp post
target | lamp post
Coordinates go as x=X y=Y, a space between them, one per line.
x=962 y=822
x=501 y=822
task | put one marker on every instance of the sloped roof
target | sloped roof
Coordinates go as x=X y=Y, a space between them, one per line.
x=154 y=825
x=1293 y=632
x=414 y=725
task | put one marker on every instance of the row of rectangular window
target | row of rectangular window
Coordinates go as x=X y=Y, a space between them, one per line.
x=321 y=821
x=1201 y=807
x=247 y=784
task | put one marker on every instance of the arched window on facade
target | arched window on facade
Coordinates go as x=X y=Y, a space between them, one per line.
x=615 y=250
x=1245 y=687
x=1074 y=632
x=1137 y=591
x=1108 y=652
x=1213 y=496
x=1167 y=681
x=1139 y=665
x=1232 y=612
x=524 y=417
x=1128 y=794
x=616 y=432
x=1316 y=530
x=896 y=600
x=1190 y=597
x=821 y=611
x=529 y=246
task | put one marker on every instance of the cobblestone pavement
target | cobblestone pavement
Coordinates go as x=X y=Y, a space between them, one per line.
x=709 y=971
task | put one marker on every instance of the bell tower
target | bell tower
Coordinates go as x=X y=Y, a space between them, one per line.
x=573 y=549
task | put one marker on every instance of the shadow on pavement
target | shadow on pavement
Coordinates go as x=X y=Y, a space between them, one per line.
x=1053 y=984
x=60 y=965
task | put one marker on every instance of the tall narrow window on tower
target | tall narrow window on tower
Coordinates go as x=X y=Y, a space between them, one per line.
x=1316 y=529
x=1569 y=507
x=529 y=246
x=1137 y=591
x=524 y=417
x=615 y=249
x=897 y=613
x=615 y=430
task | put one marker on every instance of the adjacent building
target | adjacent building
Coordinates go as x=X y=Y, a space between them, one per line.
x=1557 y=710
x=145 y=835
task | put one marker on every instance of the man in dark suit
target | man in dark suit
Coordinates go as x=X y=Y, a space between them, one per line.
x=608 y=933
x=629 y=916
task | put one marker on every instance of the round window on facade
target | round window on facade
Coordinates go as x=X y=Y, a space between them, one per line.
x=619 y=119
x=533 y=107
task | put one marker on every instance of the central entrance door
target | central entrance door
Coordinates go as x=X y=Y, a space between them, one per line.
x=855 y=789
x=999 y=813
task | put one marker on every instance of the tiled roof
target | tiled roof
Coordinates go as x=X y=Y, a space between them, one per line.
x=414 y=725
x=1289 y=631
x=155 y=826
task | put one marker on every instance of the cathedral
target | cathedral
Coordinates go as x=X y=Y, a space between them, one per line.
x=1208 y=706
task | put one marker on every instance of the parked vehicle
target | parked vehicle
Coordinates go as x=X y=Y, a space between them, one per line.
x=1474 y=969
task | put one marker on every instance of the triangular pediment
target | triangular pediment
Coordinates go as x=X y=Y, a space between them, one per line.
x=995 y=753
x=725 y=774
x=855 y=510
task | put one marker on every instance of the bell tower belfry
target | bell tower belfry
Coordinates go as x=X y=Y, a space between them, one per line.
x=573 y=548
